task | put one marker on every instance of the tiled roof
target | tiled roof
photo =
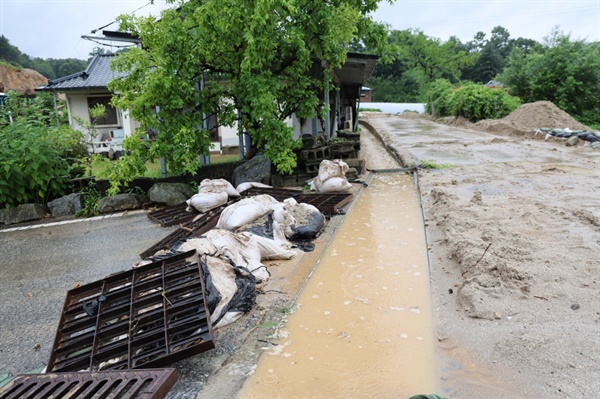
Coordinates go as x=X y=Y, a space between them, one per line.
x=96 y=76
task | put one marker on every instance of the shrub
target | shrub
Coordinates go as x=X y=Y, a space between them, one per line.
x=440 y=97
x=36 y=162
x=475 y=102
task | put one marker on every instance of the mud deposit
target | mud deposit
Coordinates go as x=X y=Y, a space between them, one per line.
x=514 y=230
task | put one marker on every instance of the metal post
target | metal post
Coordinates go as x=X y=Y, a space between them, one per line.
x=163 y=166
x=204 y=160
x=56 y=110
x=328 y=115
x=240 y=134
x=163 y=162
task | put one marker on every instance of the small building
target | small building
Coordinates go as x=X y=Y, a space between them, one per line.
x=494 y=84
x=366 y=95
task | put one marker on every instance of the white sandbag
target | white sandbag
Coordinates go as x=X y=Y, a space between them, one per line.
x=243 y=212
x=248 y=185
x=223 y=278
x=284 y=220
x=204 y=202
x=201 y=245
x=333 y=185
x=218 y=185
x=330 y=169
x=270 y=249
x=241 y=249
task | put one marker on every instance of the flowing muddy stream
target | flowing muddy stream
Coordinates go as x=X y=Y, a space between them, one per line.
x=362 y=324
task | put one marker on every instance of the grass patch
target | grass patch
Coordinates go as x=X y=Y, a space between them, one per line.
x=370 y=110
x=429 y=164
x=153 y=169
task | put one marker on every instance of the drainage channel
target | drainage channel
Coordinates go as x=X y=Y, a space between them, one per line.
x=362 y=323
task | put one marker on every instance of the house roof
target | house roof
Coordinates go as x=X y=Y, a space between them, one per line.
x=357 y=69
x=96 y=76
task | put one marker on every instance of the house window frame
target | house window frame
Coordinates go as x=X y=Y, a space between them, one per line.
x=109 y=107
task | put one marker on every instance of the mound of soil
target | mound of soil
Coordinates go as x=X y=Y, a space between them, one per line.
x=531 y=116
x=22 y=81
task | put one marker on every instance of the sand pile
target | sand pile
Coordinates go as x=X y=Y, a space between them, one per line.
x=526 y=118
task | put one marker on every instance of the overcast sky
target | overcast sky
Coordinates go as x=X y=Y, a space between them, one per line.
x=53 y=28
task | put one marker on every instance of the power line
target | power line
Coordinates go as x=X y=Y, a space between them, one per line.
x=131 y=13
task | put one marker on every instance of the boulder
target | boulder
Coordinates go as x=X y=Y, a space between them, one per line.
x=65 y=206
x=121 y=202
x=170 y=193
x=258 y=169
x=571 y=141
x=23 y=213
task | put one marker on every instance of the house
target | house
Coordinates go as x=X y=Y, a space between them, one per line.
x=366 y=95
x=85 y=89
x=494 y=84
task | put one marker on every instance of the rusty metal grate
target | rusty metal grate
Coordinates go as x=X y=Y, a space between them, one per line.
x=139 y=384
x=145 y=317
x=171 y=215
x=325 y=202
x=194 y=228
x=279 y=194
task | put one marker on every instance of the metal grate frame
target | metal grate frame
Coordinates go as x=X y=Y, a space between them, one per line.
x=146 y=384
x=146 y=317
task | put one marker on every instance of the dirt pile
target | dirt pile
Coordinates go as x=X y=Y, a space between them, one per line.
x=526 y=118
x=22 y=81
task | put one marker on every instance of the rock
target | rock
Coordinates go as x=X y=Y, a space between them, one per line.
x=121 y=202
x=352 y=174
x=571 y=141
x=258 y=169
x=170 y=193
x=65 y=206
x=23 y=213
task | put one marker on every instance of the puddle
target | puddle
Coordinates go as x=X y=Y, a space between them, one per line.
x=362 y=325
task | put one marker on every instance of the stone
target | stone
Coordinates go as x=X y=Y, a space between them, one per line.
x=170 y=193
x=571 y=141
x=23 y=213
x=65 y=206
x=352 y=174
x=258 y=169
x=121 y=202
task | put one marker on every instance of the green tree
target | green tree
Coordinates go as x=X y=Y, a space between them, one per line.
x=560 y=70
x=43 y=67
x=268 y=59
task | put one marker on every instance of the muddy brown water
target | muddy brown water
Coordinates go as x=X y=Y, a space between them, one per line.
x=361 y=326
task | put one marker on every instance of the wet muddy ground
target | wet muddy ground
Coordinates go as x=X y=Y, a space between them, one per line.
x=513 y=226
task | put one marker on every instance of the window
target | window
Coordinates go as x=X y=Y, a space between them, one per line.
x=110 y=118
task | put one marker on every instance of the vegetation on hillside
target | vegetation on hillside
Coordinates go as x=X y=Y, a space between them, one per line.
x=51 y=68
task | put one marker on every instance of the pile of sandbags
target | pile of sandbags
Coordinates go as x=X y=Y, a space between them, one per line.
x=331 y=177
x=212 y=194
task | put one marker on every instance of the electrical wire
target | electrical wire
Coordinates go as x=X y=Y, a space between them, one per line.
x=131 y=13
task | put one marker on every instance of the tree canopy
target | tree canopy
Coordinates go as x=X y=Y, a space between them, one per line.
x=268 y=59
x=561 y=70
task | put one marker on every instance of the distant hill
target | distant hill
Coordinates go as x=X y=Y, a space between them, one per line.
x=23 y=81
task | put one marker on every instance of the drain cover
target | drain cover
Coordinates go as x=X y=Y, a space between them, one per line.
x=145 y=317
x=325 y=202
x=171 y=215
x=139 y=384
x=193 y=228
